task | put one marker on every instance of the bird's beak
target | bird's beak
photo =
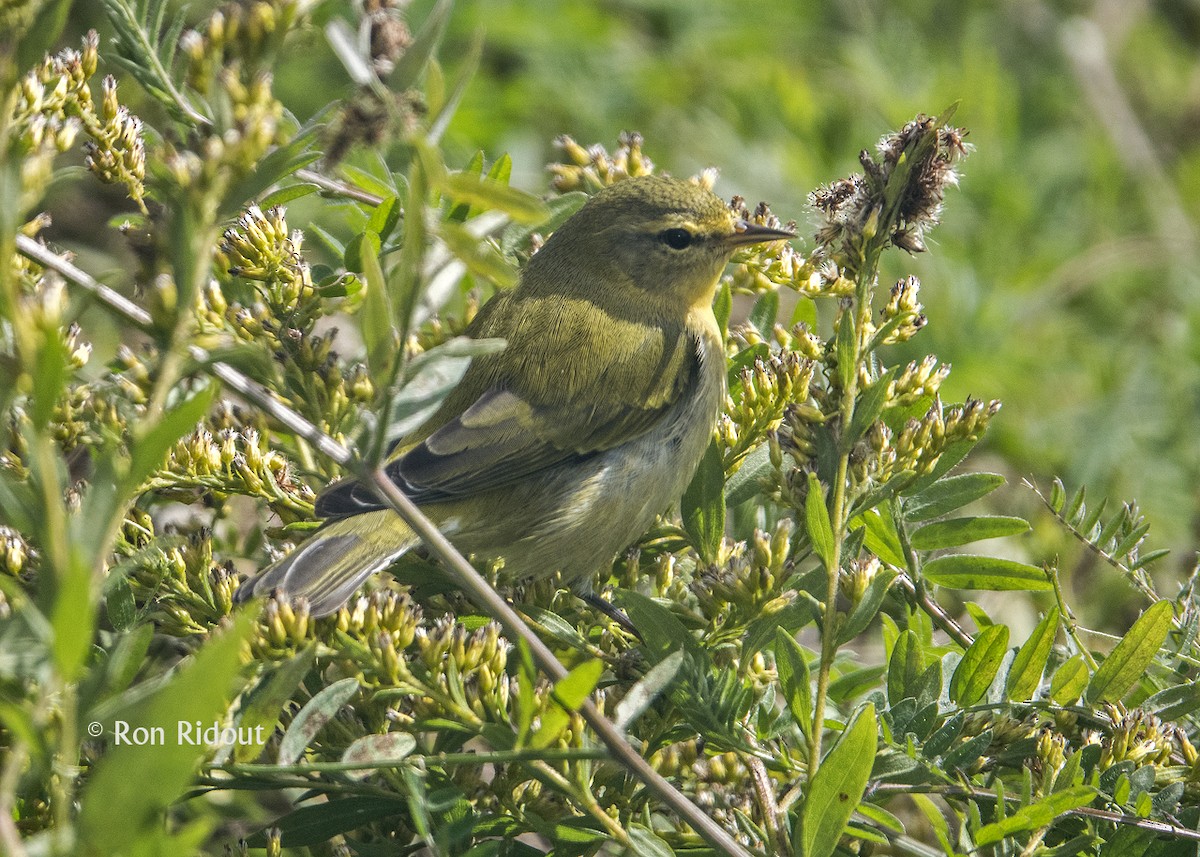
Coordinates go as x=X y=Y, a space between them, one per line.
x=745 y=232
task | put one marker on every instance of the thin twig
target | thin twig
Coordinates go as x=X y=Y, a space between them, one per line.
x=939 y=616
x=469 y=579
x=339 y=188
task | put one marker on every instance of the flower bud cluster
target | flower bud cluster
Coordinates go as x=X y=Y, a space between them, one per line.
x=757 y=399
x=592 y=168
x=53 y=103
x=857 y=577
x=455 y=663
x=765 y=267
x=116 y=154
x=237 y=35
x=917 y=381
x=747 y=579
x=173 y=576
x=1136 y=736
x=903 y=311
x=232 y=462
x=278 y=311
x=16 y=555
x=260 y=249
x=218 y=160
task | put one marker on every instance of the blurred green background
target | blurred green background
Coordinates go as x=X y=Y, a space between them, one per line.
x=1064 y=280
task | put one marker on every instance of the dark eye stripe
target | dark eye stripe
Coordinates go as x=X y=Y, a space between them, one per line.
x=676 y=239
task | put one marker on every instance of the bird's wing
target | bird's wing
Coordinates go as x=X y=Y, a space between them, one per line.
x=506 y=435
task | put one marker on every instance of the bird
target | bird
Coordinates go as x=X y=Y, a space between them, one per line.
x=560 y=450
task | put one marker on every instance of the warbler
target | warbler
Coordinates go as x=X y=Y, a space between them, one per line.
x=561 y=449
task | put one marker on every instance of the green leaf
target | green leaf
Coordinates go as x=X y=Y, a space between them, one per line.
x=703 y=505
x=764 y=312
x=313 y=825
x=961 y=531
x=384 y=749
x=573 y=689
x=312 y=718
x=979 y=665
x=488 y=194
x=649 y=687
x=845 y=349
x=418 y=54
x=288 y=194
x=74 y=614
x=50 y=373
x=431 y=377
x=905 y=667
x=969 y=571
x=275 y=167
x=868 y=407
x=1038 y=814
x=967 y=753
x=645 y=843
x=1127 y=663
x=816 y=518
x=569 y=692
x=837 y=787
x=481 y=257
x=723 y=307
x=791 y=663
x=1175 y=702
x=1069 y=680
x=881 y=537
x=662 y=632
x=516 y=236
x=1030 y=661
x=362 y=254
x=262 y=706
x=745 y=359
x=747 y=481
x=149 y=451
x=130 y=788
x=949 y=494
x=384 y=218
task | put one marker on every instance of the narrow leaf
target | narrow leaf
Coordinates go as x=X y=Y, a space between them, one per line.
x=961 y=531
x=838 y=786
x=1030 y=662
x=979 y=665
x=312 y=718
x=1069 y=680
x=791 y=662
x=968 y=571
x=816 y=516
x=1132 y=656
x=1036 y=815
x=949 y=494
x=703 y=505
x=262 y=707
x=869 y=406
x=649 y=687
x=881 y=536
x=486 y=193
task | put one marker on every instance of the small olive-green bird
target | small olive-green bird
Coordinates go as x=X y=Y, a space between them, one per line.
x=558 y=451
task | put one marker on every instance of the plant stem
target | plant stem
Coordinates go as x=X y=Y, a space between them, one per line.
x=861 y=307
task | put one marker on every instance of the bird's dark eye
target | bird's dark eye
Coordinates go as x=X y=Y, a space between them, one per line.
x=676 y=239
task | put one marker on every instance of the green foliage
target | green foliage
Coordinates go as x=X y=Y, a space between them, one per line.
x=802 y=659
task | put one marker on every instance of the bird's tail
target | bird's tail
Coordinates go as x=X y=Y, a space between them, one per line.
x=334 y=561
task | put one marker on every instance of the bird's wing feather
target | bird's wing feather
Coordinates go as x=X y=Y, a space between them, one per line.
x=507 y=434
